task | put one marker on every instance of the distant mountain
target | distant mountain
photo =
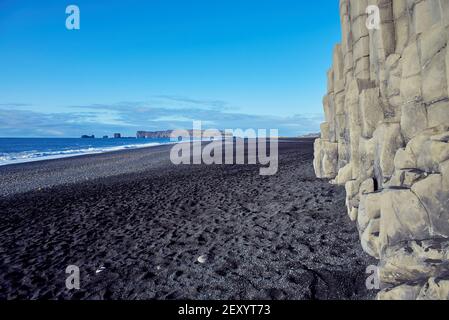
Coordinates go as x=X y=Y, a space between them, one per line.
x=311 y=135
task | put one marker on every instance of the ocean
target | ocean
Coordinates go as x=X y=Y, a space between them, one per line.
x=19 y=150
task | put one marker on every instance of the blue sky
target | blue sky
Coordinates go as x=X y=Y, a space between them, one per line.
x=159 y=64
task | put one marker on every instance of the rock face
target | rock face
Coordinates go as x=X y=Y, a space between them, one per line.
x=386 y=138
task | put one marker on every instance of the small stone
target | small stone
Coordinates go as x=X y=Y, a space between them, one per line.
x=101 y=269
x=202 y=259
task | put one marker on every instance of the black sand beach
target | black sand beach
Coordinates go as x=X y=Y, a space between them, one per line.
x=144 y=222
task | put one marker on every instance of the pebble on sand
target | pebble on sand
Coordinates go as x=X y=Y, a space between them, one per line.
x=202 y=259
x=100 y=270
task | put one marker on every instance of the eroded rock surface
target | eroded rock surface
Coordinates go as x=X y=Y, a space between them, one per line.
x=386 y=139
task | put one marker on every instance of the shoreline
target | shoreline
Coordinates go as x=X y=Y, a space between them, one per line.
x=82 y=152
x=34 y=175
x=44 y=173
x=61 y=155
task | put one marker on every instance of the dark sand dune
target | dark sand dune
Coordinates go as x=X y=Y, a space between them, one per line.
x=275 y=237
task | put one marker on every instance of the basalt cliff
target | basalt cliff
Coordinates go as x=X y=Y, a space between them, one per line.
x=386 y=139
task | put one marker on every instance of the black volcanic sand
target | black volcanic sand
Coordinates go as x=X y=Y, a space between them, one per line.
x=146 y=222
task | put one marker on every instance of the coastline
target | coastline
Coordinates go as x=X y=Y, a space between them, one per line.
x=34 y=156
x=47 y=173
x=144 y=222
x=43 y=173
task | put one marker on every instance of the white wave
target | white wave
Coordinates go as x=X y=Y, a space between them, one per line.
x=34 y=155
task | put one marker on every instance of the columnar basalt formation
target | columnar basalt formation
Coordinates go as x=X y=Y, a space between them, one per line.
x=386 y=139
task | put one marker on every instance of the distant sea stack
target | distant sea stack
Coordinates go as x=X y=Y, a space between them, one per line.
x=386 y=140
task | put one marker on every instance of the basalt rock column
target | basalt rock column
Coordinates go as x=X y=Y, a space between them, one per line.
x=386 y=139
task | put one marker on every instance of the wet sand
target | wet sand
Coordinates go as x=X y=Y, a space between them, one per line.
x=142 y=222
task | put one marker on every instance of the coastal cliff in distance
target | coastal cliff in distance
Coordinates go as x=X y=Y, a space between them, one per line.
x=167 y=134
x=386 y=140
x=154 y=134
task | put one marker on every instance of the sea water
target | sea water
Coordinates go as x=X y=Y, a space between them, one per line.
x=18 y=150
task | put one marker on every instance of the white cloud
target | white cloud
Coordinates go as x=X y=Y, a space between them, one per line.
x=128 y=117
